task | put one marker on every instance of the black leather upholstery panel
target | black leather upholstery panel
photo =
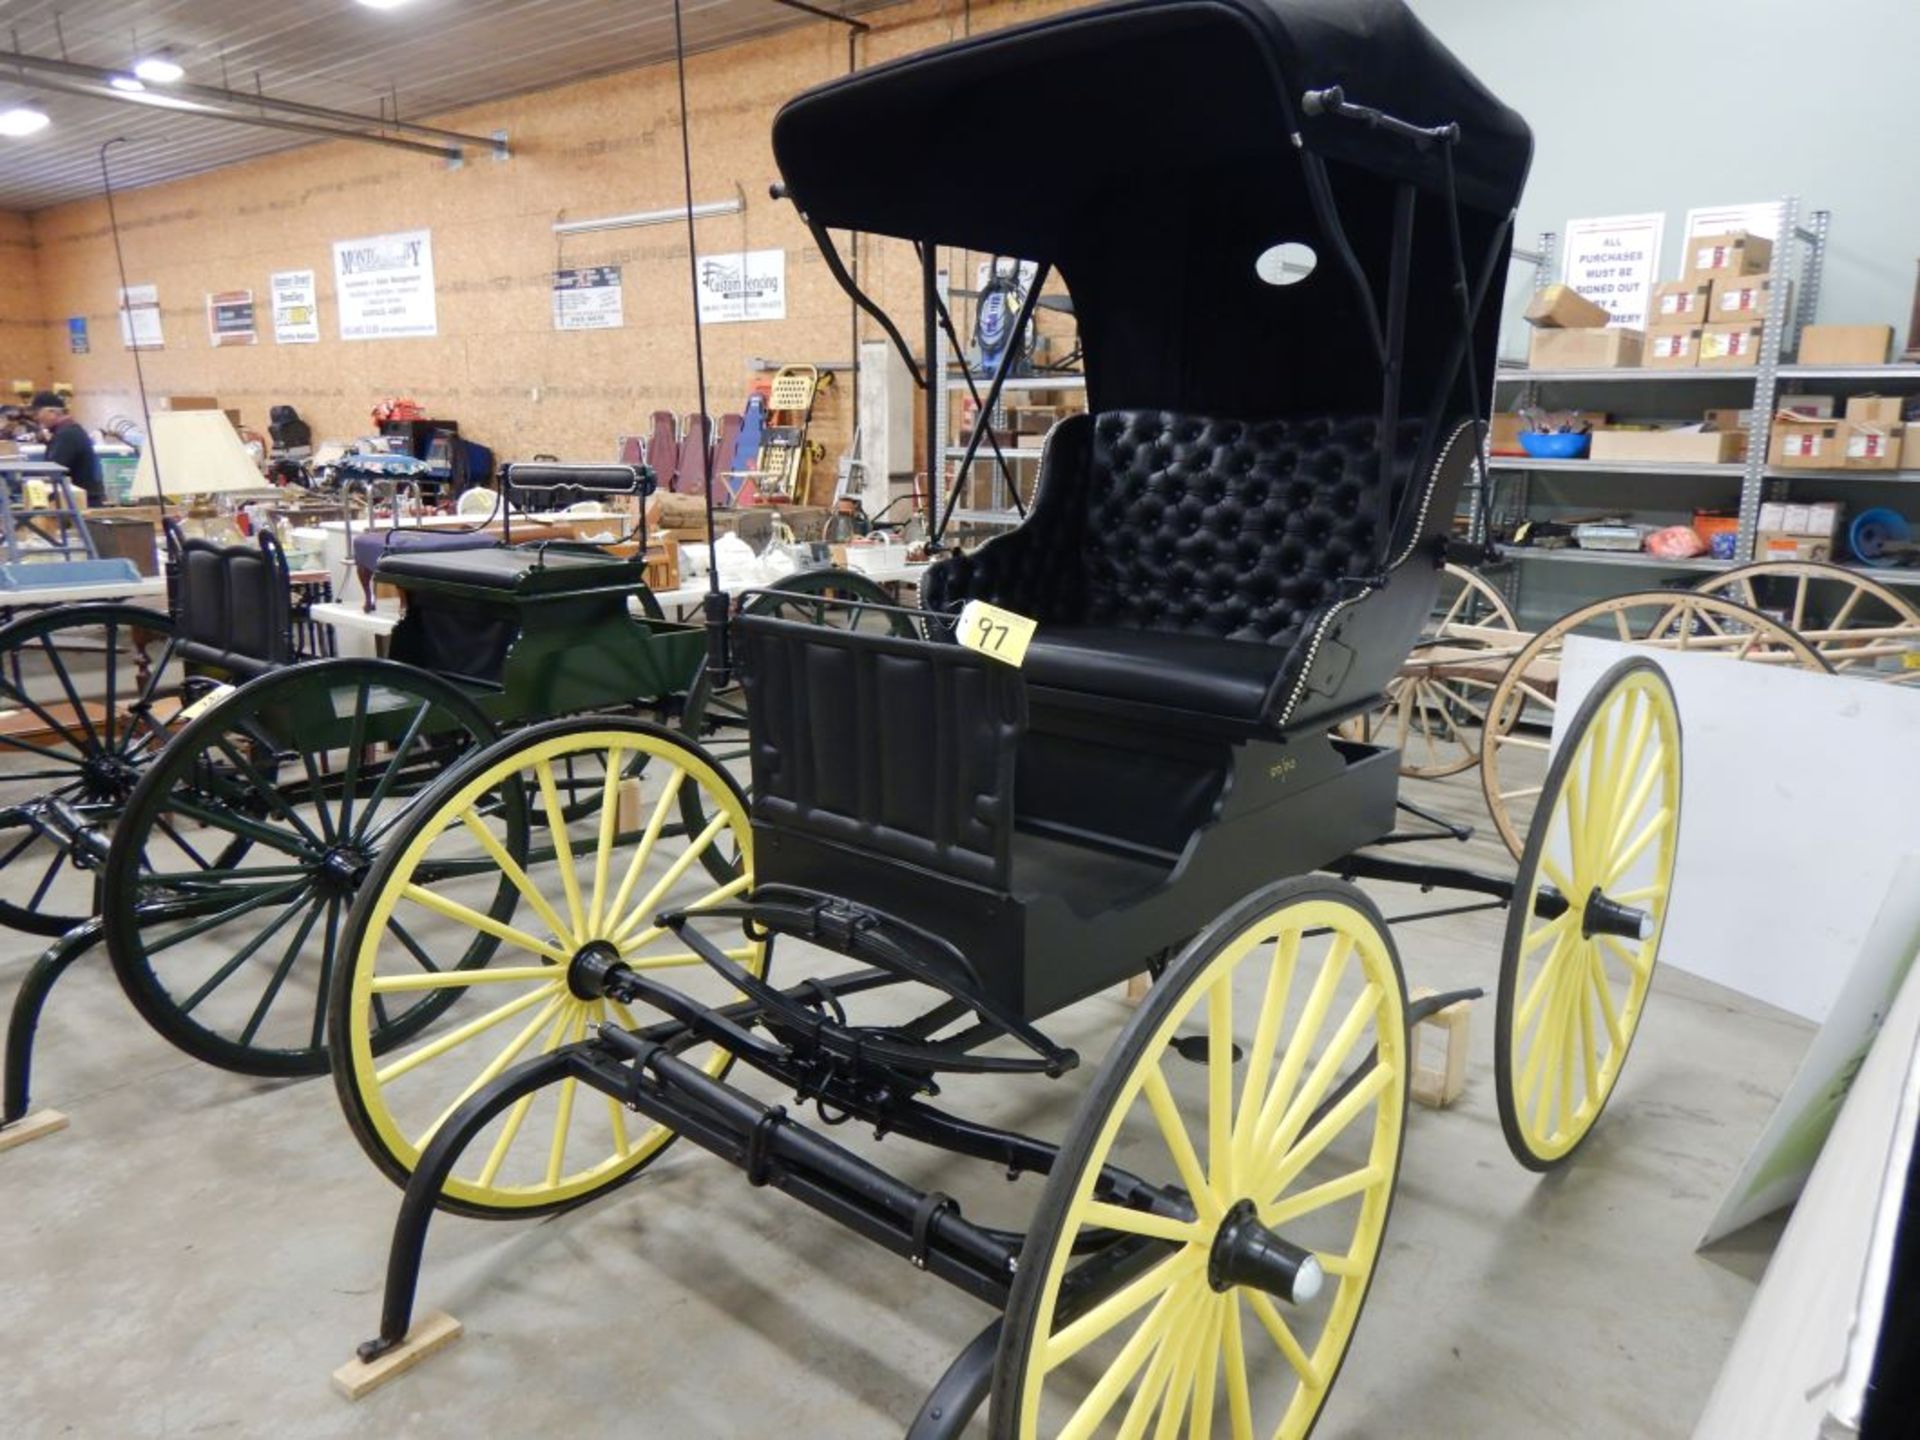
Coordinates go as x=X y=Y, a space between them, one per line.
x=1158 y=667
x=234 y=607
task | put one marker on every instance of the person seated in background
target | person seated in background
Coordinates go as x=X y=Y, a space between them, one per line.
x=68 y=444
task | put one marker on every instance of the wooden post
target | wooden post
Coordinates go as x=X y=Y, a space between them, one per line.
x=1440 y=1087
x=35 y=1126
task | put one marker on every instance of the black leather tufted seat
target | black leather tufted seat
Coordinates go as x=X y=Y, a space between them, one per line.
x=1184 y=561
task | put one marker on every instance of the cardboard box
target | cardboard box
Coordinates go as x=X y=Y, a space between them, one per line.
x=1614 y=348
x=1733 y=252
x=1910 y=448
x=1733 y=346
x=1814 y=407
x=1680 y=302
x=1778 y=545
x=1672 y=347
x=1727 y=419
x=1874 y=409
x=1561 y=307
x=1667 y=447
x=1874 y=447
x=1846 y=344
x=1741 y=297
x=189 y=402
x=1798 y=444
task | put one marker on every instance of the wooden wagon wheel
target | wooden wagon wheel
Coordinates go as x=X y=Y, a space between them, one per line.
x=1434 y=710
x=1513 y=756
x=1855 y=622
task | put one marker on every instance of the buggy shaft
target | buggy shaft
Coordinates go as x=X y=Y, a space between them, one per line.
x=923 y=1227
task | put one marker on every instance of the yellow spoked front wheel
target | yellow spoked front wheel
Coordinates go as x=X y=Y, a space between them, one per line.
x=1260 y=1091
x=586 y=818
x=1590 y=904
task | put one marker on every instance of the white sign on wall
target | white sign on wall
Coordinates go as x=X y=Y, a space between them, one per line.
x=140 y=318
x=1761 y=218
x=296 y=307
x=384 y=286
x=746 y=285
x=1614 y=261
x=587 y=298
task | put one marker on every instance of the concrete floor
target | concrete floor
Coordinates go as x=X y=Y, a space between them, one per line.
x=200 y=1250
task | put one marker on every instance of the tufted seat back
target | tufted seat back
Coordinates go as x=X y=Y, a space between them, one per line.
x=1226 y=527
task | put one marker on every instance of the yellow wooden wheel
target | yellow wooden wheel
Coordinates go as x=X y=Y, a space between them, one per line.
x=1272 y=1164
x=605 y=849
x=1590 y=905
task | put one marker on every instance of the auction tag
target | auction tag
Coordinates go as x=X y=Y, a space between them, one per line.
x=998 y=634
x=1910 y=660
x=205 y=703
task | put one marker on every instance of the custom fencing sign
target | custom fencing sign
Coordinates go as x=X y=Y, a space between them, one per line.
x=230 y=318
x=384 y=286
x=1614 y=261
x=296 y=307
x=140 y=318
x=746 y=285
x=587 y=298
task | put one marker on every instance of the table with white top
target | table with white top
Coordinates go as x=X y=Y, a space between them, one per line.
x=359 y=631
x=40 y=596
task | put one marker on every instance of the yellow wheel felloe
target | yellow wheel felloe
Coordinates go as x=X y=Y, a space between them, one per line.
x=1590 y=904
x=585 y=820
x=1284 y=1104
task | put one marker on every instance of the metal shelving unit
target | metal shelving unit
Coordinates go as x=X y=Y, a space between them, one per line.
x=1001 y=514
x=1800 y=252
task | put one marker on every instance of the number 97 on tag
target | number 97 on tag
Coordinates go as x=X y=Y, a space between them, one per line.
x=998 y=634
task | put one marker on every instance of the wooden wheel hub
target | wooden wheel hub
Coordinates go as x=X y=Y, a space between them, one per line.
x=1246 y=1253
x=588 y=970
x=1600 y=914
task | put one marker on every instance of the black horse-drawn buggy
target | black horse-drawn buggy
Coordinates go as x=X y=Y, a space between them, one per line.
x=1226 y=558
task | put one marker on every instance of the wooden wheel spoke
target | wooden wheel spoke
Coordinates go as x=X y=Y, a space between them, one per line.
x=1313 y=1014
x=666 y=882
x=630 y=943
x=1537 y=989
x=604 y=844
x=562 y=846
x=1283 y=1339
x=1266 y=1034
x=1300 y=1109
x=1220 y=1083
x=496 y=1066
x=1206 y=1374
x=433 y=1049
x=1330 y=1192
x=459 y=979
x=1153 y=1286
x=1141 y=1222
x=1609 y=1012
x=1113 y=1383
x=648 y=839
x=1648 y=833
x=485 y=924
x=497 y=852
x=246 y=952
x=1289 y=1163
x=1173 y=1130
x=1239 y=1398
x=563 y=1118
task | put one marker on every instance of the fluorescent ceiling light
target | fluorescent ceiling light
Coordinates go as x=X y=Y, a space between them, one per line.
x=159 y=69
x=383 y=4
x=22 y=120
x=127 y=83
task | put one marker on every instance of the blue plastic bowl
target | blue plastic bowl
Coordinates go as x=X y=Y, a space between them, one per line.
x=1555 y=447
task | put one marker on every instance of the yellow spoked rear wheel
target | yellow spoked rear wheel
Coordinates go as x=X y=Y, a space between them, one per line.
x=1293 y=1004
x=586 y=818
x=1589 y=908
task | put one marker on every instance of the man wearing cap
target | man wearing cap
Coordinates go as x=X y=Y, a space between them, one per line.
x=68 y=444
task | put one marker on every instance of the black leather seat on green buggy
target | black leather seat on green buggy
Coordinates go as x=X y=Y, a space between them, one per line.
x=532 y=571
x=235 y=608
x=1187 y=562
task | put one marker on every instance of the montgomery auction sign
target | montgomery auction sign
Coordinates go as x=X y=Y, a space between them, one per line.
x=384 y=286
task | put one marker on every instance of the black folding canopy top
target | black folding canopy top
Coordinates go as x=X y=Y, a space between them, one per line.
x=1152 y=150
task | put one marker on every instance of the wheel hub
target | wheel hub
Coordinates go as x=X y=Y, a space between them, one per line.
x=587 y=971
x=343 y=868
x=1599 y=914
x=1245 y=1252
x=108 y=777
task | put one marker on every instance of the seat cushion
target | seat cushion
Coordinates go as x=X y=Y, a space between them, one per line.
x=1202 y=673
x=542 y=570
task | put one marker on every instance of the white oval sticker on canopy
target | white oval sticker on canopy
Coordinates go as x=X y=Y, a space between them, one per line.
x=1286 y=264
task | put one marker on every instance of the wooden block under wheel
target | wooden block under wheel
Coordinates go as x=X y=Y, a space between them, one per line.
x=35 y=1126
x=1440 y=1086
x=429 y=1333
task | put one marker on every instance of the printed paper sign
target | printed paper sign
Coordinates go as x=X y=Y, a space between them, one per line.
x=77 y=343
x=1614 y=261
x=140 y=318
x=746 y=285
x=587 y=299
x=384 y=286
x=230 y=318
x=997 y=634
x=296 y=307
x=1761 y=218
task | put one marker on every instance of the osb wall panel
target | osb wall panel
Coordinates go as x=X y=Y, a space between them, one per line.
x=498 y=366
x=23 y=337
